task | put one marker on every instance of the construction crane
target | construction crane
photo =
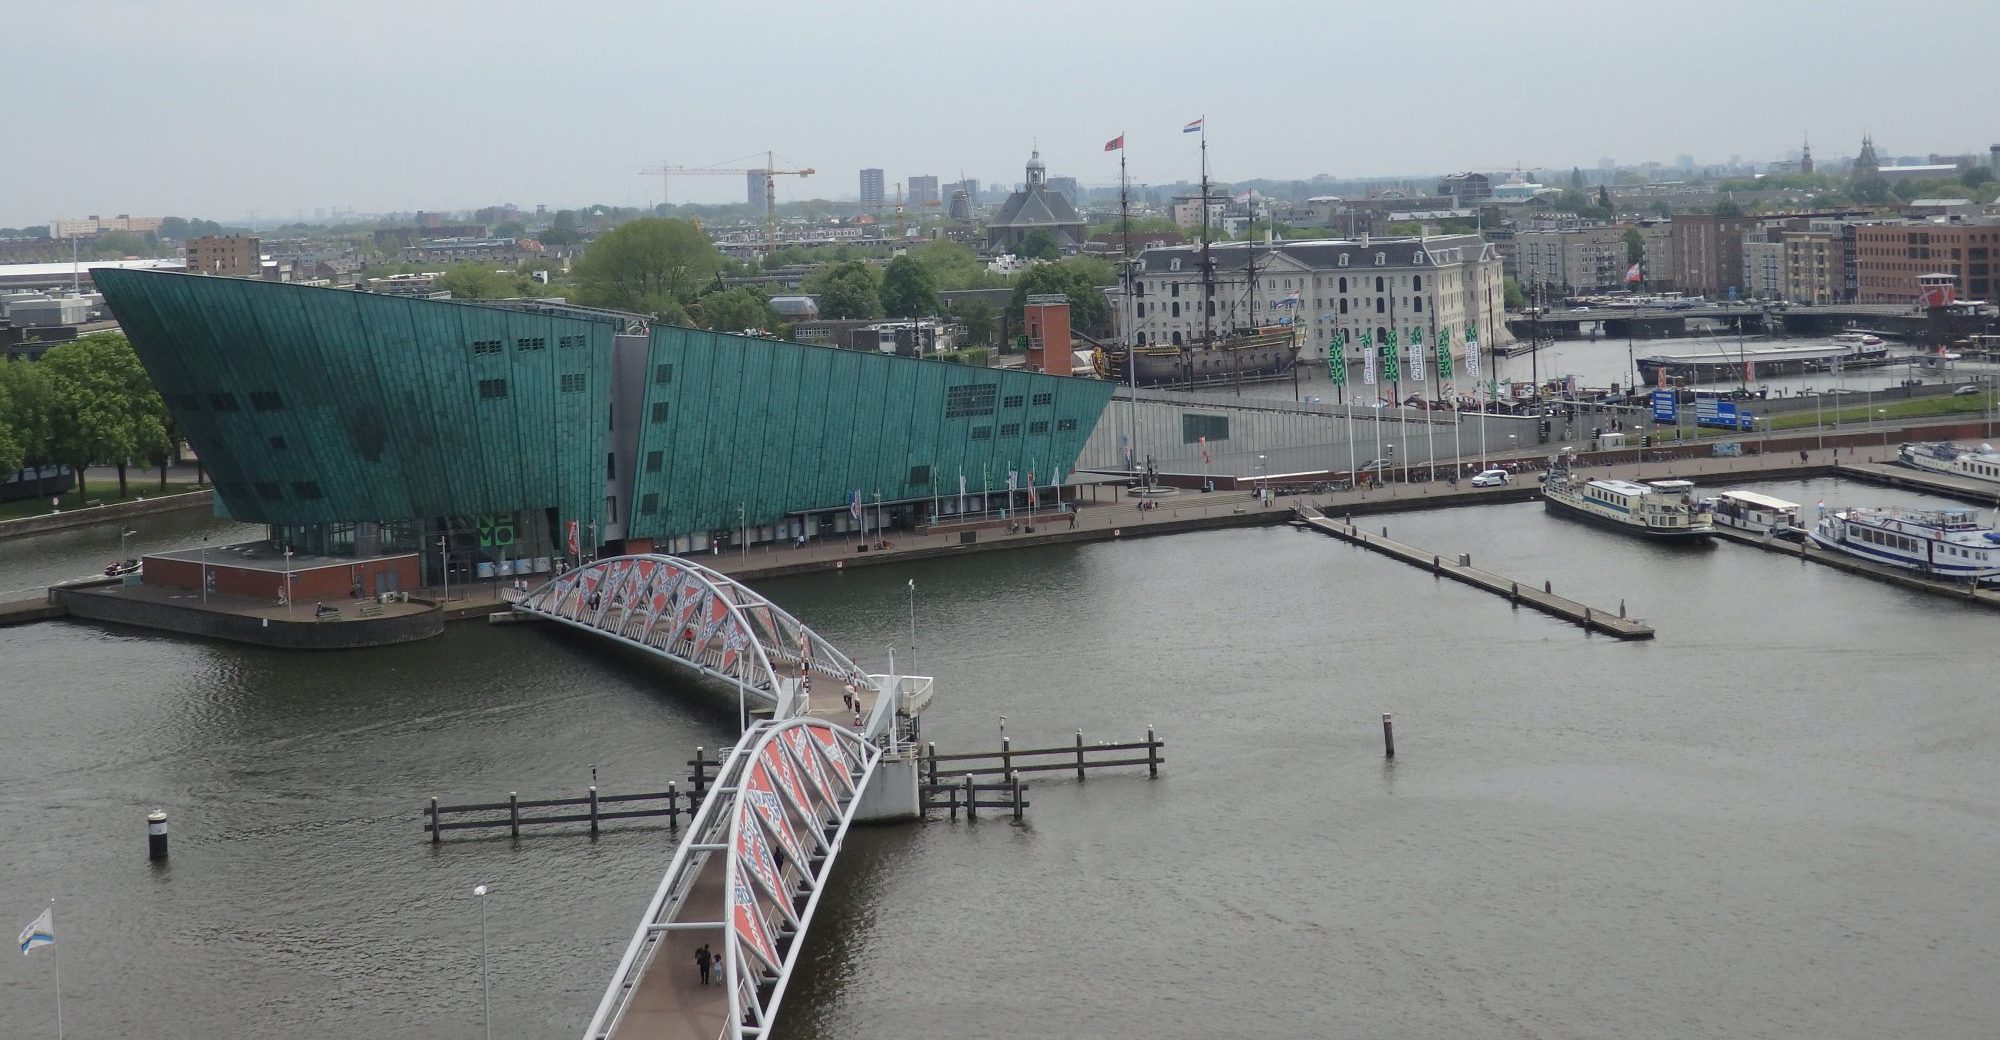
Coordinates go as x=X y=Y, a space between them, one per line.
x=771 y=174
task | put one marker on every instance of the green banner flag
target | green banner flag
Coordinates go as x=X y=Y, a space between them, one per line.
x=1336 y=358
x=1392 y=368
x=1444 y=353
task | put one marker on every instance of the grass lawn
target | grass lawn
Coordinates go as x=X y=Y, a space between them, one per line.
x=1912 y=409
x=101 y=491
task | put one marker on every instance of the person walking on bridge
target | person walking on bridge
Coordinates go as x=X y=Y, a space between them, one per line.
x=703 y=960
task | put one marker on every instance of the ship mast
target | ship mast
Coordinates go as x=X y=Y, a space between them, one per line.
x=1131 y=346
x=1207 y=261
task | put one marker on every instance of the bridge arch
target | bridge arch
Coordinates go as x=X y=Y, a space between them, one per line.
x=700 y=618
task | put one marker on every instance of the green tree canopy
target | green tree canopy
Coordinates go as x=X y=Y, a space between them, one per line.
x=1515 y=298
x=1727 y=208
x=13 y=444
x=736 y=310
x=1635 y=246
x=1974 y=176
x=952 y=266
x=476 y=281
x=908 y=290
x=1089 y=312
x=106 y=410
x=1040 y=245
x=977 y=317
x=647 y=265
x=852 y=289
x=28 y=410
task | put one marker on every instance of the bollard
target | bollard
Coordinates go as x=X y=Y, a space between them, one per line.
x=1016 y=778
x=1621 y=607
x=954 y=803
x=1385 y=532
x=933 y=757
x=1388 y=736
x=1586 y=617
x=699 y=754
x=1435 y=569
x=971 y=799
x=514 y=812
x=673 y=807
x=1549 y=587
x=1006 y=755
x=1152 y=754
x=1514 y=591
x=435 y=833
x=593 y=810
x=1079 y=756
x=156 y=835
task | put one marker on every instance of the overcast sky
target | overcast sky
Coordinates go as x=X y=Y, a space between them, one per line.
x=226 y=108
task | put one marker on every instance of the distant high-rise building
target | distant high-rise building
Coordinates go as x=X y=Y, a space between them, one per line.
x=753 y=187
x=1067 y=188
x=1993 y=159
x=228 y=256
x=1684 y=161
x=872 y=196
x=924 y=191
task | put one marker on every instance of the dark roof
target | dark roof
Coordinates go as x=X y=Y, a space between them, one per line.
x=1320 y=253
x=1036 y=207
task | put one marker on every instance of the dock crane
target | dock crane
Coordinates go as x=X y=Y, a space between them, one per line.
x=769 y=170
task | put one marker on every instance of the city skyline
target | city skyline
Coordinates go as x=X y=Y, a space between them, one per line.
x=373 y=132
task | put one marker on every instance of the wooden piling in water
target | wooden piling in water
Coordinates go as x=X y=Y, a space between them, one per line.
x=933 y=757
x=1015 y=779
x=514 y=812
x=971 y=801
x=593 y=810
x=1152 y=754
x=1079 y=757
x=1388 y=735
x=436 y=835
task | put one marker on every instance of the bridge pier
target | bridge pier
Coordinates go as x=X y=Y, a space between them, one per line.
x=892 y=793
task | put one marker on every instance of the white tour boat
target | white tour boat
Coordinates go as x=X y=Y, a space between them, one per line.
x=1944 y=543
x=1657 y=509
x=1940 y=457
x=1755 y=513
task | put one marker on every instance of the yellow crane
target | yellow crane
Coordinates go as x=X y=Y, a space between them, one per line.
x=769 y=170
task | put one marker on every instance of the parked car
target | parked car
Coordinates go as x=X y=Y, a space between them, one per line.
x=1490 y=478
x=1965 y=391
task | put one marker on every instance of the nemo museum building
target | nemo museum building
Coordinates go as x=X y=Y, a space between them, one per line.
x=517 y=436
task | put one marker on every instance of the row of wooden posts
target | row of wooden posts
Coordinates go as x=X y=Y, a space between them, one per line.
x=678 y=803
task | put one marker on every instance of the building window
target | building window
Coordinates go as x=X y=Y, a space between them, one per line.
x=268 y=491
x=1175 y=312
x=982 y=433
x=1139 y=309
x=492 y=389
x=1343 y=305
x=1195 y=426
x=663 y=374
x=1038 y=427
x=569 y=342
x=574 y=382
x=223 y=402
x=307 y=490
x=972 y=399
x=1042 y=399
x=919 y=476
x=485 y=347
x=277 y=444
x=1343 y=260
x=266 y=401
x=1381 y=259
x=659 y=411
x=654 y=460
x=1010 y=429
x=649 y=503
x=1012 y=401
x=1379 y=307
x=1175 y=289
x=1378 y=283
x=1417 y=282
x=1417 y=305
x=1343 y=283
x=537 y=343
x=1065 y=425
x=1174 y=264
x=1177 y=339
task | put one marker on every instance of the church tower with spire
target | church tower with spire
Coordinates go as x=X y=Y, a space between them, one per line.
x=1805 y=158
x=1865 y=164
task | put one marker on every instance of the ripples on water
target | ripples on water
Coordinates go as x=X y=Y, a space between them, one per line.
x=1777 y=819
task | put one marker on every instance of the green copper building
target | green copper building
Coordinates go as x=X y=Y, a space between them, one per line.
x=352 y=422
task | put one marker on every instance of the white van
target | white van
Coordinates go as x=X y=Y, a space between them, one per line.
x=1490 y=478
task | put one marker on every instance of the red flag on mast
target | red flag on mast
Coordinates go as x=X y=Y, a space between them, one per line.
x=1115 y=144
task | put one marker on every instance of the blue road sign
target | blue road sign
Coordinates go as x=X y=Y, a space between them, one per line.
x=1665 y=407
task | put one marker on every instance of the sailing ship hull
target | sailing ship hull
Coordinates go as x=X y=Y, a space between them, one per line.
x=1264 y=355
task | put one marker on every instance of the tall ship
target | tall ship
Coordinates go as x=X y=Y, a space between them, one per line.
x=1944 y=543
x=1941 y=457
x=1663 y=509
x=1240 y=354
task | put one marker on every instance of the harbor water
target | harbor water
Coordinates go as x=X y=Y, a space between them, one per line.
x=1776 y=819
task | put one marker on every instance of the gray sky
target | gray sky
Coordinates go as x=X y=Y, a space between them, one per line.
x=221 y=108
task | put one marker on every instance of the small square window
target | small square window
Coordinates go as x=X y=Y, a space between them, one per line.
x=223 y=402
x=492 y=389
x=1042 y=399
x=663 y=374
x=654 y=460
x=1065 y=425
x=659 y=411
x=920 y=476
x=268 y=491
x=536 y=343
x=1012 y=429
x=574 y=382
x=1039 y=426
x=982 y=433
x=649 y=504
x=1011 y=401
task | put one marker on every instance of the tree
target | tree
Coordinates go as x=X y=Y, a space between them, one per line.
x=1040 y=245
x=106 y=408
x=28 y=409
x=13 y=445
x=1974 y=176
x=647 y=265
x=852 y=289
x=1576 y=178
x=1404 y=229
x=511 y=229
x=977 y=317
x=473 y=281
x=1604 y=200
x=1635 y=246
x=1661 y=209
x=1727 y=208
x=736 y=310
x=952 y=266
x=1515 y=298
x=907 y=289
x=1089 y=312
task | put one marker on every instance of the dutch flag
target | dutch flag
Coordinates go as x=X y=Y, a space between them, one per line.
x=1192 y=128
x=41 y=933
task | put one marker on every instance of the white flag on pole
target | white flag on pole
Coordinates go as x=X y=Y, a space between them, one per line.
x=41 y=933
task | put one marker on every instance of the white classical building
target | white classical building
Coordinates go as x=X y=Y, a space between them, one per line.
x=1350 y=285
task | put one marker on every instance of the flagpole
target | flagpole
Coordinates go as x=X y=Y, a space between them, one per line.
x=57 y=956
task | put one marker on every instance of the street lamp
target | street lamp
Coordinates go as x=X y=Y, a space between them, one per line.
x=743 y=523
x=913 y=624
x=204 y=570
x=485 y=985
x=288 y=581
x=1883 y=415
x=444 y=569
x=1260 y=472
x=124 y=533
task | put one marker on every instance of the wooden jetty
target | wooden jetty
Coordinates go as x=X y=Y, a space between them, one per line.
x=1948 y=485
x=1804 y=549
x=1009 y=760
x=1460 y=569
x=509 y=814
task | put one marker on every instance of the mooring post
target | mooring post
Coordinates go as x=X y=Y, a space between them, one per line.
x=1152 y=754
x=954 y=802
x=1385 y=532
x=673 y=807
x=1621 y=606
x=1079 y=756
x=1548 y=586
x=971 y=799
x=1514 y=592
x=1016 y=778
x=593 y=809
x=434 y=820
x=1388 y=735
x=933 y=757
x=514 y=812
x=156 y=835
x=1006 y=755
x=1586 y=618
x=699 y=779
x=1435 y=570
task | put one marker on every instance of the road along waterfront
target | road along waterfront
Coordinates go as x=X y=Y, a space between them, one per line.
x=1773 y=819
